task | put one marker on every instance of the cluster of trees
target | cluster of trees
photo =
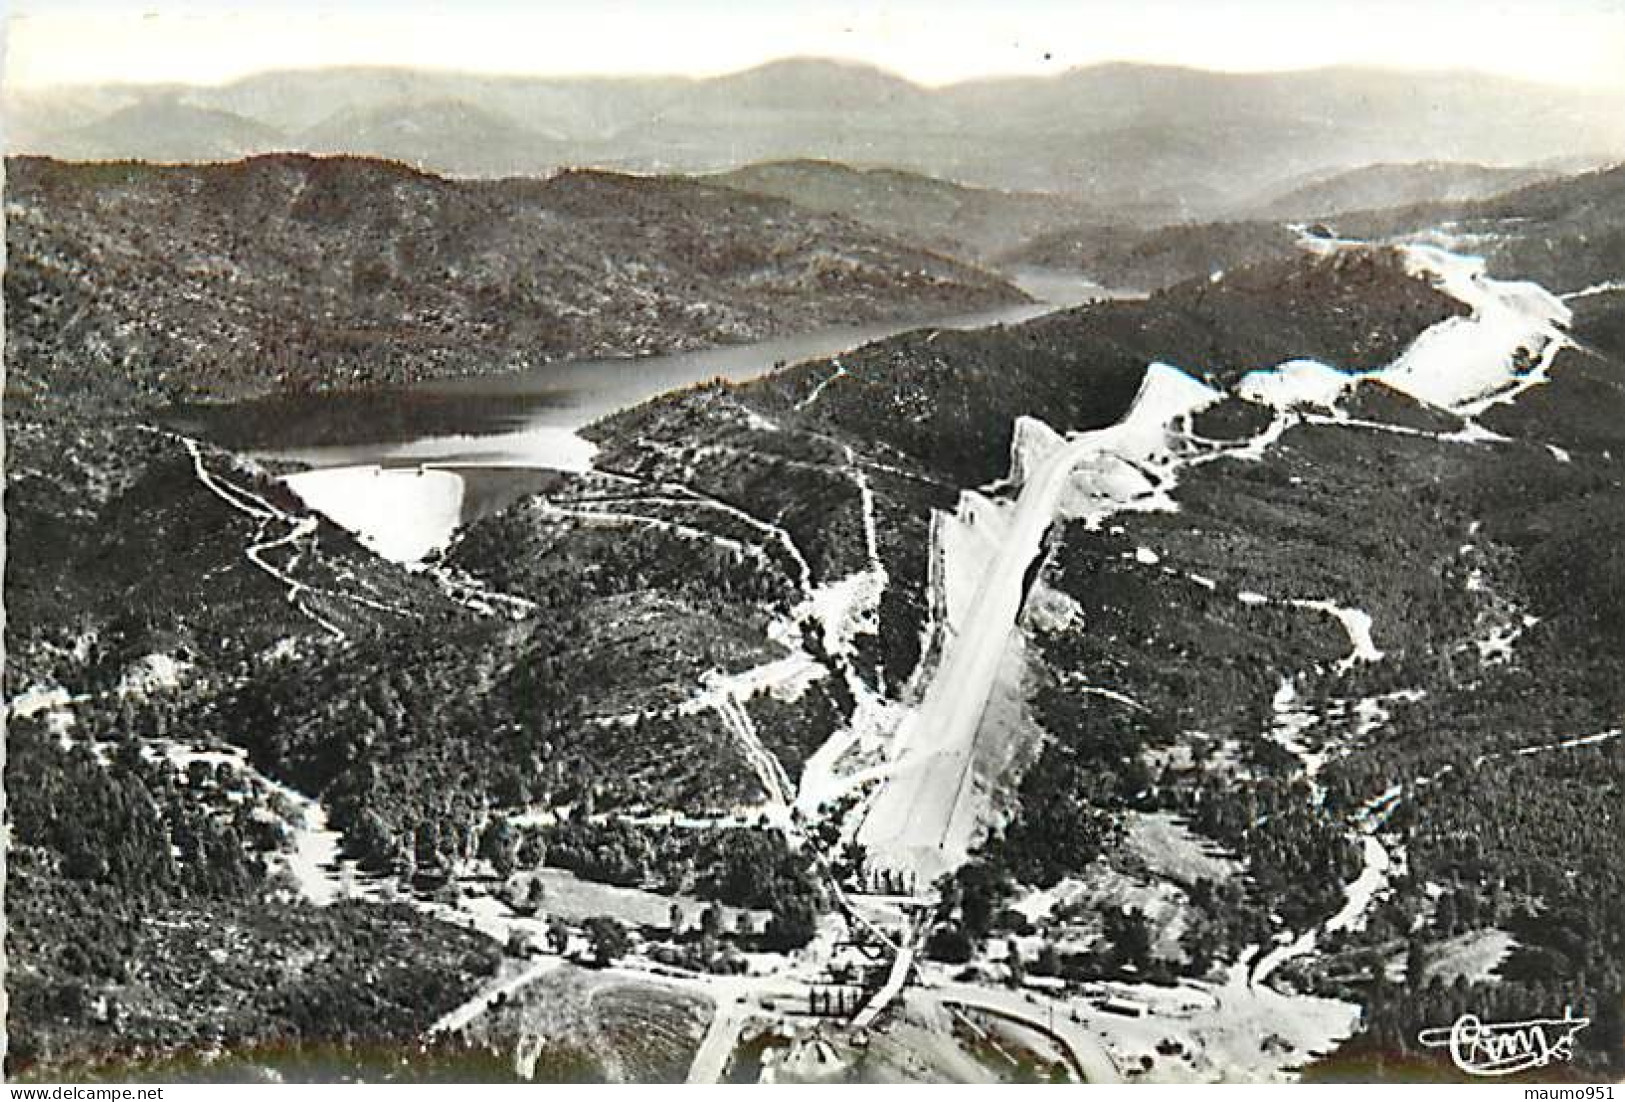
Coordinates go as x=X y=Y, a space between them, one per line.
x=599 y=562
x=140 y=905
x=608 y=938
x=1387 y=1045
x=751 y=868
x=1299 y=856
x=712 y=944
x=1541 y=697
x=271 y=983
x=1124 y=951
x=1069 y=813
x=969 y=900
x=803 y=478
x=610 y=851
x=797 y=480
x=135 y=823
x=410 y=741
x=792 y=729
x=1528 y=845
x=411 y=277
x=1228 y=917
x=397 y=739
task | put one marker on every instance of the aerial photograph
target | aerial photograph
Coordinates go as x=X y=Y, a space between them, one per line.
x=815 y=542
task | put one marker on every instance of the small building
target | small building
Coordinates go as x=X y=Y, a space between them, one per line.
x=1128 y=1008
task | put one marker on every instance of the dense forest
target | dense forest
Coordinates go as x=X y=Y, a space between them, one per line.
x=128 y=872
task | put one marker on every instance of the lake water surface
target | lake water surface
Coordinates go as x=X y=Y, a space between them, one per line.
x=529 y=418
x=372 y=453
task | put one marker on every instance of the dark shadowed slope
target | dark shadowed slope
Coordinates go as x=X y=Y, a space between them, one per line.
x=1567 y=234
x=1147 y=259
x=296 y=272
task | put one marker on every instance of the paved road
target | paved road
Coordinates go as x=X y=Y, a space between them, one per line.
x=1089 y=1056
x=711 y=1058
x=902 y=963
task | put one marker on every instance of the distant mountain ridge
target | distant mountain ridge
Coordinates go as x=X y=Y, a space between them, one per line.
x=1167 y=143
x=980 y=222
x=169 y=130
x=480 y=142
x=1374 y=187
x=1567 y=232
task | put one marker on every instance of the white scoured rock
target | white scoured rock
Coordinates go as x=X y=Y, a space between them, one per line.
x=40 y=698
x=1051 y=610
x=1356 y=624
x=1468 y=363
x=1032 y=441
x=1295 y=383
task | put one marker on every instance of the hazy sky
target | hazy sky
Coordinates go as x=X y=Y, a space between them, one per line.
x=931 y=41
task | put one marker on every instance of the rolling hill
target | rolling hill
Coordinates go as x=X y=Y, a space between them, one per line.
x=450 y=131
x=170 y=131
x=1374 y=187
x=1130 y=258
x=978 y=222
x=1567 y=234
x=293 y=271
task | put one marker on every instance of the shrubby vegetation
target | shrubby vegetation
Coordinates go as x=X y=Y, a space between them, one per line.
x=1564 y=234
x=1527 y=845
x=1132 y=258
x=949 y=400
x=749 y=868
x=145 y=924
x=363 y=273
x=428 y=730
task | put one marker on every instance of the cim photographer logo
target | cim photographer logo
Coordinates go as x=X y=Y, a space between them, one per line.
x=1506 y=1048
